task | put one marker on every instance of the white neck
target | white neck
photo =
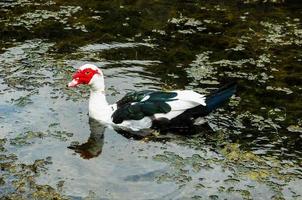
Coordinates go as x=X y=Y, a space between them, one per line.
x=99 y=108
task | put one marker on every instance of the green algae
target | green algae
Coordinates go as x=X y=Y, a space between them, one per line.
x=29 y=137
x=18 y=180
x=22 y=180
x=24 y=139
x=238 y=166
x=253 y=143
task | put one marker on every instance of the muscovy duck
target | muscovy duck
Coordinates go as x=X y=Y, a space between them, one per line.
x=137 y=111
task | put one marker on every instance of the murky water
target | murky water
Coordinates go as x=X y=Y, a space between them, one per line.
x=251 y=148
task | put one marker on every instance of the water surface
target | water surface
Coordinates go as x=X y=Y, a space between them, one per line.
x=251 y=148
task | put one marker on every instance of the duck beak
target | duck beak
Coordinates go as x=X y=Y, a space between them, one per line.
x=73 y=83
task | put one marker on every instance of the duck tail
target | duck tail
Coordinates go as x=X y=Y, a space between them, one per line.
x=220 y=96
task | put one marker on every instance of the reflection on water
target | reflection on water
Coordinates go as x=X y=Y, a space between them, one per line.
x=93 y=147
x=252 y=149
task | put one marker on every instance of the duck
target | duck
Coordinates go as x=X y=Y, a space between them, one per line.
x=144 y=110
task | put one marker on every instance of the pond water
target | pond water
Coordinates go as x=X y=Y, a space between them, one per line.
x=251 y=148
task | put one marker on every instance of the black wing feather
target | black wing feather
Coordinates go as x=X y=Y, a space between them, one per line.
x=131 y=97
x=130 y=107
x=139 y=110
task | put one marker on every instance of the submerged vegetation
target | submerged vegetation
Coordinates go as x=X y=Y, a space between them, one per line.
x=251 y=148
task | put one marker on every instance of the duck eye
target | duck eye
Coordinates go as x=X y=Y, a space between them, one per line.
x=87 y=73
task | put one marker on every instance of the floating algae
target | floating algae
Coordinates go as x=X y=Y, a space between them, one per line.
x=250 y=148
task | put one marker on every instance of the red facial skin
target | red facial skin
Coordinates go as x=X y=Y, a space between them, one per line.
x=83 y=76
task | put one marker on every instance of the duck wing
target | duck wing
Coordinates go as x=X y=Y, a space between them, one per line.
x=132 y=97
x=158 y=104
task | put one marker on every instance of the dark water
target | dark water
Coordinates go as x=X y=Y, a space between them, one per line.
x=251 y=149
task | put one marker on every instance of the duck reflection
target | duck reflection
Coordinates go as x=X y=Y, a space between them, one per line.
x=93 y=147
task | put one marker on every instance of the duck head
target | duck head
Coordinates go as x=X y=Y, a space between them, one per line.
x=88 y=74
